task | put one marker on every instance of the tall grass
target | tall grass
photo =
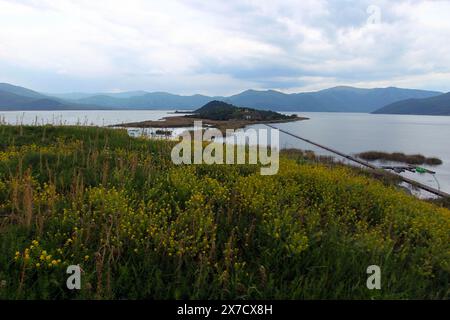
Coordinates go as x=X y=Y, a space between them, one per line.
x=141 y=227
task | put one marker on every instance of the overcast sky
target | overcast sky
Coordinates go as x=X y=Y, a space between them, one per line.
x=223 y=47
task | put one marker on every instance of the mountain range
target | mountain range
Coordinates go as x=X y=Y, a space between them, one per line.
x=337 y=99
x=19 y=98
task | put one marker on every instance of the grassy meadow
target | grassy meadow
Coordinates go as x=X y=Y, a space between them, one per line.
x=143 y=228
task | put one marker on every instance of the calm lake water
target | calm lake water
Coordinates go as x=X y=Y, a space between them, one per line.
x=347 y=132
x=353 y=133
x=88 y=117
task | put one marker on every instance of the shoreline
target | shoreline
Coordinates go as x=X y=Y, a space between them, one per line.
x=182 y=121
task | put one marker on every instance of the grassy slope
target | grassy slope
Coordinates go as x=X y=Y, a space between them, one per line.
x=141 y=227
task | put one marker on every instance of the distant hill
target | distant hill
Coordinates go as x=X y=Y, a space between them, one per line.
x=438 y=105
x=338 y=99
x=154 y=100
x=82 y=95
x=219 y=110
x=8 y=99
x=19 y=98
x=20 y=91
x=13 y=101
x=215 y=108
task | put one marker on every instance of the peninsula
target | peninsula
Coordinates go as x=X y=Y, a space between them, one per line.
x=220 y=115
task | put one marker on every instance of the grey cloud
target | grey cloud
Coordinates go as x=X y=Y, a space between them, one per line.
x=189 y=44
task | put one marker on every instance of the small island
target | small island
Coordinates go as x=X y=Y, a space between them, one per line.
x=413 y=159
x=220 y=115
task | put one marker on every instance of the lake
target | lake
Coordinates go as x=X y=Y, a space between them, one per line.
x=88 y=117
x=358 y=132
x=347 y=132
